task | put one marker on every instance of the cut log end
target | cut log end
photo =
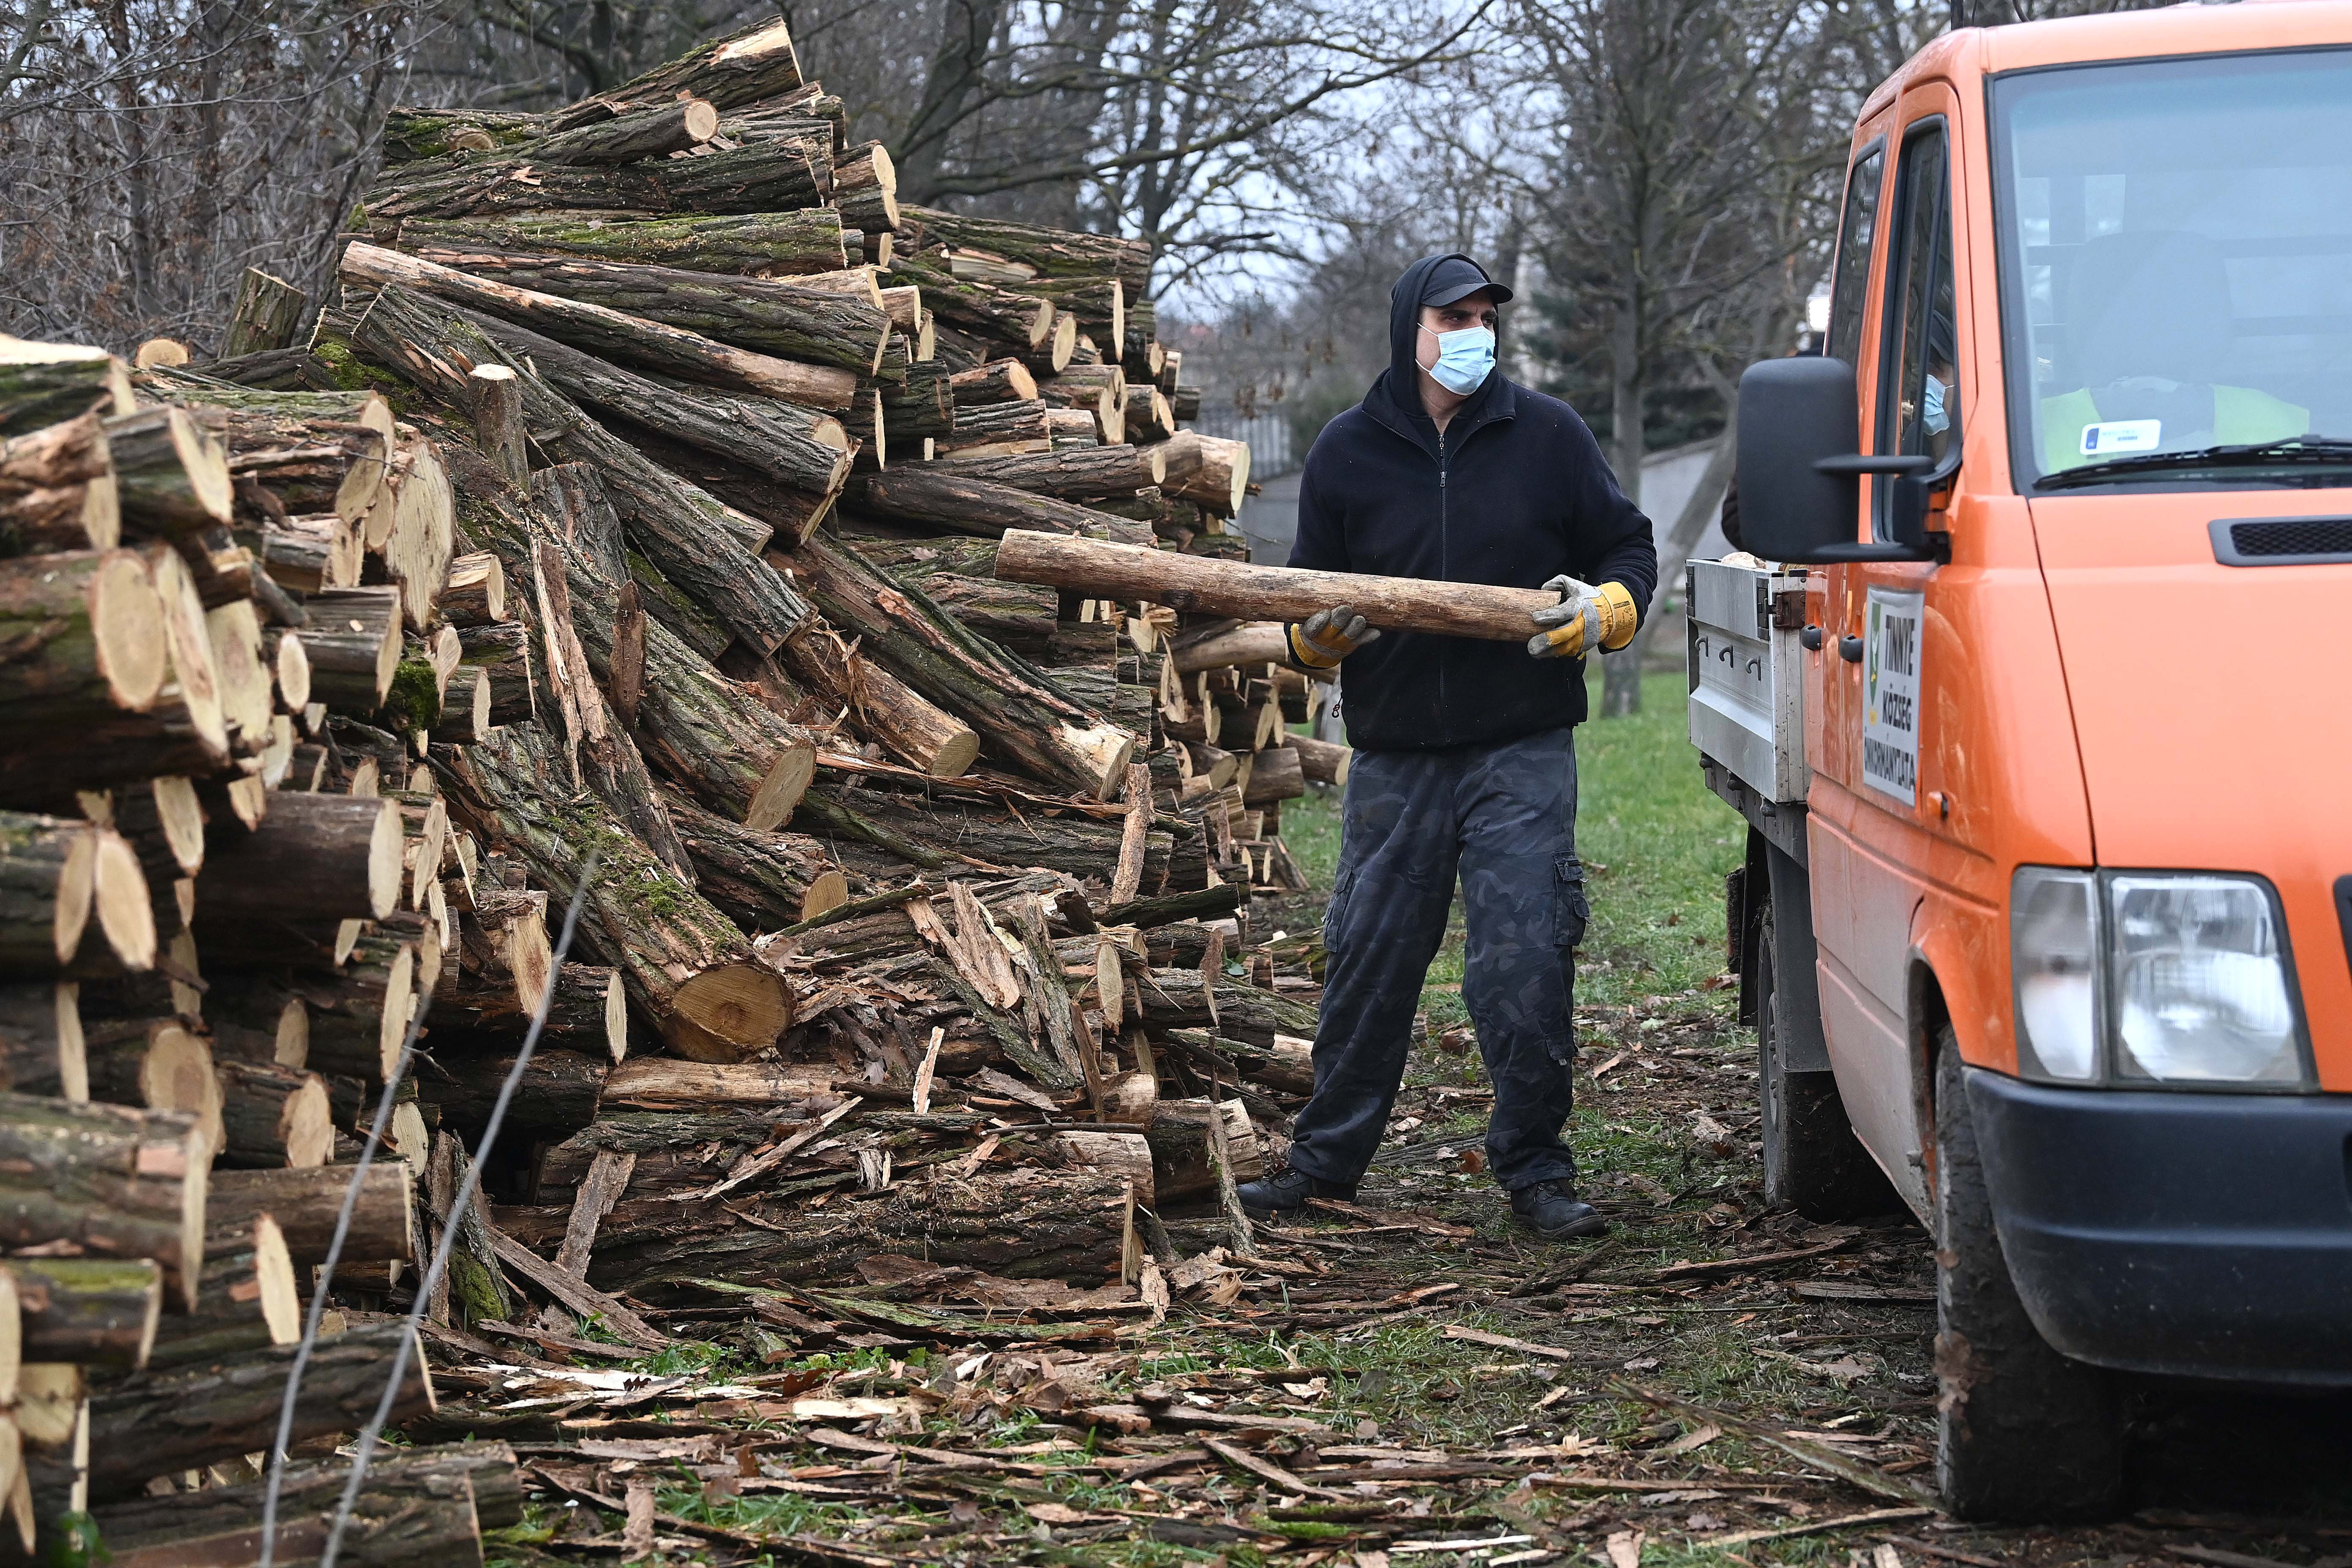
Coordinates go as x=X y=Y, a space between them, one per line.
x=77 y=884
x=125 y=912
x=183 y=820
x=307 y=1126
x=728 y=1014
x=786 y=782
x=829 y=890
x=384 y=865
x=126 y=621
x=273 y=1271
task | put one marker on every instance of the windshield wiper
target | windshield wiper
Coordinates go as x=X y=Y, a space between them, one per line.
x=2289 y=449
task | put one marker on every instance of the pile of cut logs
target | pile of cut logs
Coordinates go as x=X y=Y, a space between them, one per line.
x=624 y=528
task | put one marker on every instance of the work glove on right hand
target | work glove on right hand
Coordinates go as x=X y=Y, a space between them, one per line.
x=1586 y=620
x=1327 y=636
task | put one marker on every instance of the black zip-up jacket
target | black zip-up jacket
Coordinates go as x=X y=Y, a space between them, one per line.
x=1516 y=492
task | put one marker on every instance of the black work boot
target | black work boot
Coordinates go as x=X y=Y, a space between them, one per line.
x=1287 y=1192
x=1553 y=1211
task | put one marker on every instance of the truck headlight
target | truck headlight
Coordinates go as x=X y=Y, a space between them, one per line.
x=2154 y=977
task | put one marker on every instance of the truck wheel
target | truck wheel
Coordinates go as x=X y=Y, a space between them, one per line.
x=2022 y=1433
x=1813 y=1161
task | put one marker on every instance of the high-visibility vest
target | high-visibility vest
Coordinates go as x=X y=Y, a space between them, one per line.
x=2241 y=416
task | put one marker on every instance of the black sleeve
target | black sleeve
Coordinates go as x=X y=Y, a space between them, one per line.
x=1321 y=542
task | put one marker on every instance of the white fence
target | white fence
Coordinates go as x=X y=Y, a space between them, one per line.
x=1268 y=435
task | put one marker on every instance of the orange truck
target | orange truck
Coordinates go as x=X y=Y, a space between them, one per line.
x=2042 y=721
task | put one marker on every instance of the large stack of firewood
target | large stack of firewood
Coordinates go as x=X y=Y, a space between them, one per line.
x=624 y=528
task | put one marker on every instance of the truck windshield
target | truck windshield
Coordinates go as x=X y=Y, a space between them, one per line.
x=2177 y=269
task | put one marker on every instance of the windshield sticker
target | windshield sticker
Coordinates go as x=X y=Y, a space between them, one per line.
x=2122 y=435
x=1890 y=685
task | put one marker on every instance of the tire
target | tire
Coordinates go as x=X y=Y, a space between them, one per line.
x=1813 y=1161
x=2023 y=1434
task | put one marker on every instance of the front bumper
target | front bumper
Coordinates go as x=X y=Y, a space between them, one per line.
x=2198 y=1235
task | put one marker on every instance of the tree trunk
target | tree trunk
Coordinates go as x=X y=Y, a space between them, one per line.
x=314 y=856
x=935 y=742
x=590 y=1011
x=171 y=478
x=998 y=381
x=1207 y=470
x=1279 y=773
x=160 y=1423
x=306 y=1201
x=95 y=1312
x=557 y=1097
x=752 y=245
x=273 y=1116
x=1203 y=586
x=82 y=637
x=57 y=490
x=1030 y=1224
x=1325 y=761
x=784 y=441
x=652 y=132
x=414 y=1509
x=1016 y=711
x=248 y=1301
x=698 y=544
x=1098 y=303
x=813 y=326
x=999 y=430
x=353 y=645
x=46 y=384
x=268 y=315
x=866 y=188
x=1053 y=252
x=475 y=593
x=1255 y=643
x=763 y=881
x=1023 y=321
x=116 y=1183
x=606 y=331
x=688 y=966
x=743 y=68
x=765 y=177
x=307 y=554
x=923 y=493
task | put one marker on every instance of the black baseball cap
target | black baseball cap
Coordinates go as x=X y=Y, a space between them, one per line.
x=1455 y=278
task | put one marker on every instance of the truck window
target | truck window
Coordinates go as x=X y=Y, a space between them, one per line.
x=1851 y=277
x=1918 y=406
x=2175 y=257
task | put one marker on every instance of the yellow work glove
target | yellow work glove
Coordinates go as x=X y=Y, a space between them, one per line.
x=1327 y=636
x=1586 y=620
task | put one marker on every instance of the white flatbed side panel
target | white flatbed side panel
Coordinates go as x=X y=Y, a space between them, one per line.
x=1746 y=676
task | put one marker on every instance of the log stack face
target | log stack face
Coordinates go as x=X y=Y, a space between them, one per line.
x=632 y=535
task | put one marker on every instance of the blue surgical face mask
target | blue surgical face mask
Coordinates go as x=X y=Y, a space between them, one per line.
x=1464 y=358
x=1932 y=408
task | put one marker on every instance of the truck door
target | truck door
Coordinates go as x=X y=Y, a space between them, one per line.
x=1869 y=841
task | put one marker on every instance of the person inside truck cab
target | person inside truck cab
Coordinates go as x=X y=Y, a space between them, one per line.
x=1465 y=761
x=2148 y=338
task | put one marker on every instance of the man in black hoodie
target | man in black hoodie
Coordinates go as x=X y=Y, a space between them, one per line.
x=1464 y=761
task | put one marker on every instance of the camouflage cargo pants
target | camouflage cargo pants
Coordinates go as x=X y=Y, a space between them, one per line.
x=1503 y=817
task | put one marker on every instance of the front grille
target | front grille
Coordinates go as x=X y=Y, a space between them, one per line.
x=2283 y=542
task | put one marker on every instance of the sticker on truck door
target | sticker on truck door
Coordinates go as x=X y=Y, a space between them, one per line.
x=1890 y=693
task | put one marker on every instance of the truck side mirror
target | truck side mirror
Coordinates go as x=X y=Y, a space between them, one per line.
x=1800 y=469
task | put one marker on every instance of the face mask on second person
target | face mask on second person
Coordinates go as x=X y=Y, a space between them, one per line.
x=1464 y=358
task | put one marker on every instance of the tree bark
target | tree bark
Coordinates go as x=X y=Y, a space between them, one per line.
x=886 y=709
x=1016 y=711
x=476 y=592
x=308 y=554
x=1031 y=1223
x=156 y=1063
x=687 y=965
x=1205 y=586
x=784 y=441
x=49 y=884
x=82 y=637
x=94 y=1312
x=57 y=489
x=1256 y=1017
x=743 y=68
x=1208 y=470
x=765 y=177
x=998 y=381
x=1023 y=322
x=699 y=544
x=160 y=1423
x=114 y=1182
x=605 y=331
x=813 y=326
x=502 y=653
x=249 y=1300
x=273 y=1116
x=268 y=315
x=558 y=1095
x=415 y=1509
x=936 y=835
x=764 y=881
x=651 y=132
x=1098 y=303
x=353 y=645
x=315 y=452
x=1279 y=774
x=1325 y=761
x=46 y=383
x=999 y=430
x=314 y=856
x=1053 y=252
x=305 y=1203
x=866 y=188
x=750 y=244
x=42 y=1050
x=171 y=478
x=590 y=1011
x=923 y=493
x=649 y=1084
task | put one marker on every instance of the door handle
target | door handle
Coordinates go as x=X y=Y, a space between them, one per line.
x=1811 y=637
x=1850 y=649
